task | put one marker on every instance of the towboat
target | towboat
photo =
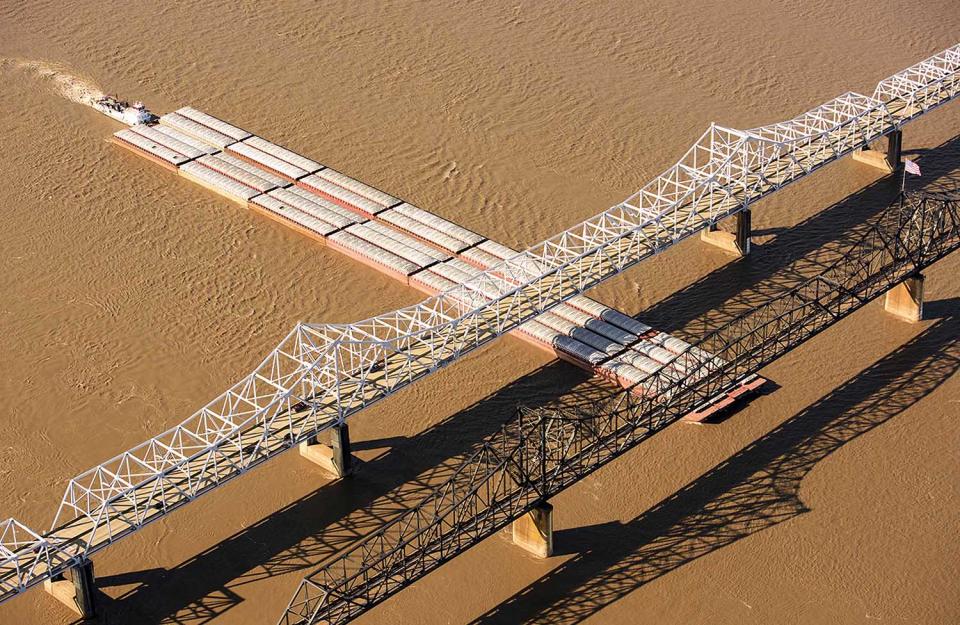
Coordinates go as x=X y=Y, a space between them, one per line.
x=123 y=111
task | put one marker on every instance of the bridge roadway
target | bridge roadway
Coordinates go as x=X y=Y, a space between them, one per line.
x=539 y=453
x=320 y=374
x=403 y=241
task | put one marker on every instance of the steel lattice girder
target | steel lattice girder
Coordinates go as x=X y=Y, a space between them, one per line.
x=322 y=373
x=541 y=452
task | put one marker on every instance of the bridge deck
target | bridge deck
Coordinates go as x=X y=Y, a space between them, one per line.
x=412 y=245
x=541 y=452
x=321 y=374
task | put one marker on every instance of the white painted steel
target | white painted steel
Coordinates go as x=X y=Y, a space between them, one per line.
x=580 y=309
x=320 y=374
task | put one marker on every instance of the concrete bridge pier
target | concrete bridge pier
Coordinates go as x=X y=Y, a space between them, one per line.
x=736 y=242
x=889 y=161
x=906 y=299
x=75 y=589
x=334 y=458
x=534 y=531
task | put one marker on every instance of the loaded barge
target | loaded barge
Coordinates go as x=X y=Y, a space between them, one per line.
x=412 y=245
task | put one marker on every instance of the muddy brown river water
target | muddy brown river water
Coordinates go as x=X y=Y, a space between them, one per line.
x=129 y=297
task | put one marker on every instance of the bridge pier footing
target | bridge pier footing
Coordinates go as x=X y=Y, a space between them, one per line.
x=906 y=299
x=334 y=458
x=736 y=242
x=75 y=589
x=889 y=161
x=534 y=531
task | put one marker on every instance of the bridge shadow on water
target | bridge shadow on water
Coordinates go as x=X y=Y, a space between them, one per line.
x=795 y=253
x=754 y=490
x=308 y=530
x=311 y=529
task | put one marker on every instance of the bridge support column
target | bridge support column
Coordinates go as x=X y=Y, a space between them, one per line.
x=534 y=531
x=889 y=161
x=333 y=458
x=906 y=299
x=736 y=242
x=75 y=590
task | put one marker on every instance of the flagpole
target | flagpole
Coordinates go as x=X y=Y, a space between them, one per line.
x=908 y=167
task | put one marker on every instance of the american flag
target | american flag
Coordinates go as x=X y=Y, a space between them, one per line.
x=911 y=167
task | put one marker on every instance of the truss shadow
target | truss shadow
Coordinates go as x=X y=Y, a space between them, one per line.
x=796 y=254
x=310 y=529
x=752 y=491
x=317 y=526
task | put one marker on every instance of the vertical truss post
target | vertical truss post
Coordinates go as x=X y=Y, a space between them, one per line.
x=75 y=589
x=723 y=172
x=534 y=531
x=334 y=458
x=736 y=242
x=889 y=161
x=543 y=455
x=905 y=300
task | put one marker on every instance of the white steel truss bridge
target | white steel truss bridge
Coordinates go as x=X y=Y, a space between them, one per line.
x=540 y=452
x=320 y=374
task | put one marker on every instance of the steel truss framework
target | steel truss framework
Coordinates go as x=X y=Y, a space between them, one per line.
x=320 y=374
x=541 y=452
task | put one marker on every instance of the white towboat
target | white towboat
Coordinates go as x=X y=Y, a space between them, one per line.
x=123 y=111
